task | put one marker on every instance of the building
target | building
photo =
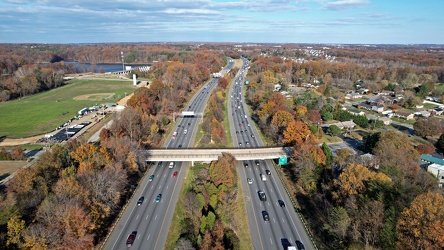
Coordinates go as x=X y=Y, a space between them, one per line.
x=405 y=115
x=378 y=109
x=437 y=171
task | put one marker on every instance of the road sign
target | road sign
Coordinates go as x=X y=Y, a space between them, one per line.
x=247 y=82
x=283 y=160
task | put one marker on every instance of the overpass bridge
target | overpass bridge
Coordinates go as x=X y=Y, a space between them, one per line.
x=208 y=155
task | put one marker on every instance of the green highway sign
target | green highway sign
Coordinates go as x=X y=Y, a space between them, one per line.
x=283 y=160
x=247 y=82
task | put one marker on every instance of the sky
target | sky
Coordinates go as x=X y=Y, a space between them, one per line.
x=251 y=21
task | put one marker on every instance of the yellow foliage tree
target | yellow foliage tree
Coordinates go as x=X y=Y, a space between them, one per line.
x=421 y=226
x=296 y=133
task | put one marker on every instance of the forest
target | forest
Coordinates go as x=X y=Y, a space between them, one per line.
x=387 y=202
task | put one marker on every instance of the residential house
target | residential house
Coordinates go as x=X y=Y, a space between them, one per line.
x=424 y=113
x=341 y=125
x=378 y=109
x=438 y=111
x=405 y=115
x=387 y=121
x=356 y=112
x=364 y=106
x=353 y=95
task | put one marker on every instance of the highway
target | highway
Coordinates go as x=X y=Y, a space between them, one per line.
x=151 y=219
x=283 y=221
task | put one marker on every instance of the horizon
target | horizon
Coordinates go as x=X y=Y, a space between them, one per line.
x=356 y=22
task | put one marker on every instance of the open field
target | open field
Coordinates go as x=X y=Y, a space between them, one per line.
x=43 y=112
x=9 y=167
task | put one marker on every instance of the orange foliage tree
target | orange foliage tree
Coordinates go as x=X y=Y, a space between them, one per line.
x=421 y=226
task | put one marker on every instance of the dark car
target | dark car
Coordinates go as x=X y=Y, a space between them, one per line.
x=158 y=197
x=268 y=172
x=151 y=178
x=140 y=201
x=131 y=238
x=246 y=165
x=265 y=215
x=159 y=163
x=256 y=162
x=281 y=203
x=262 y=195
x=252 y=136
x=299 y=245
x=180 y=145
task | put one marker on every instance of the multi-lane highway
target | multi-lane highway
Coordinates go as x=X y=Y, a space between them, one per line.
x=146 y=220
x=273 y=219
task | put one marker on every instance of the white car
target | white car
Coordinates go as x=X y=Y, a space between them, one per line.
x=250 y=181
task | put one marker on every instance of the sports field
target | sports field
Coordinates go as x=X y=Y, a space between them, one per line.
x=44 y=112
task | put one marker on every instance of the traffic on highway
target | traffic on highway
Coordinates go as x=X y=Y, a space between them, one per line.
x=273 y=222
x=145 y=222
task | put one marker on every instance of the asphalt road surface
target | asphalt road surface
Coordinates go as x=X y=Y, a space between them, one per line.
x=152 y=218
x=282 y=222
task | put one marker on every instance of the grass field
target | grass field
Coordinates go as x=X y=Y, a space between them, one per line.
x=43 y=112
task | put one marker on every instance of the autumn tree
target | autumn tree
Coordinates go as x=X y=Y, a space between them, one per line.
x=16 y=226
x=421 y=225
x=394 y=148
x=222 y=171
x=425 y=149
x=427 y=127
x=296 y=133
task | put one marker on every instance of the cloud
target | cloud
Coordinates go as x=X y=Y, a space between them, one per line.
x=345 y=4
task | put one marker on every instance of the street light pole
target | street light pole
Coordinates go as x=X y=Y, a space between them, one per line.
x=123 y=61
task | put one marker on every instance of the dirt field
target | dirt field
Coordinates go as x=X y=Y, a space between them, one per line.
x=9 y=167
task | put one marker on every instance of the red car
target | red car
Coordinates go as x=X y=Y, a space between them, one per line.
x=175 y=174
x=131 y=238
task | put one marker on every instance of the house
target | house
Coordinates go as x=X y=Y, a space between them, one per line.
x=385 y=120
x=378 y=109
x=386 y=93
x=353 y=95
x=431 y=159
x=341 y=125
x=364 y=106
x=438 y=111
x=424 y=113
x=405 y=115
x=356 y=112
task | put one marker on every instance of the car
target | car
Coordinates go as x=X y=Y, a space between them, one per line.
x=246 y=165
x=281 y=203
x=240 y=143
x=185 y=131
x=180 y=145
x=256 y=162
x=240 y=124
x=250 y=181
x=158 y=198
x=268 y=172
x=131 y=238
x=247 y=142
x=159 y=163
x=242 y=131
x=252 y=135
x=300 y=245
x=248 y=124
x=262 y=195
x=246 y=131
x=237 y=132
x=140 y=201
x=175 y=174
x=265 y=216
x=151 y=178
x=171 y=165
x=263 y=177
x=189 y=124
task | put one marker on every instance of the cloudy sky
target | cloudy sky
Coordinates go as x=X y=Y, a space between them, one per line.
x=269 y=21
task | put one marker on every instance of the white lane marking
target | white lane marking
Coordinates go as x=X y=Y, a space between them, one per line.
x=152 y=187
x=160 y=186
x=137 y=217
x=166 y=187
x=147 y=238
x=147 y=217
x=155 y=218
x=274 y=220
